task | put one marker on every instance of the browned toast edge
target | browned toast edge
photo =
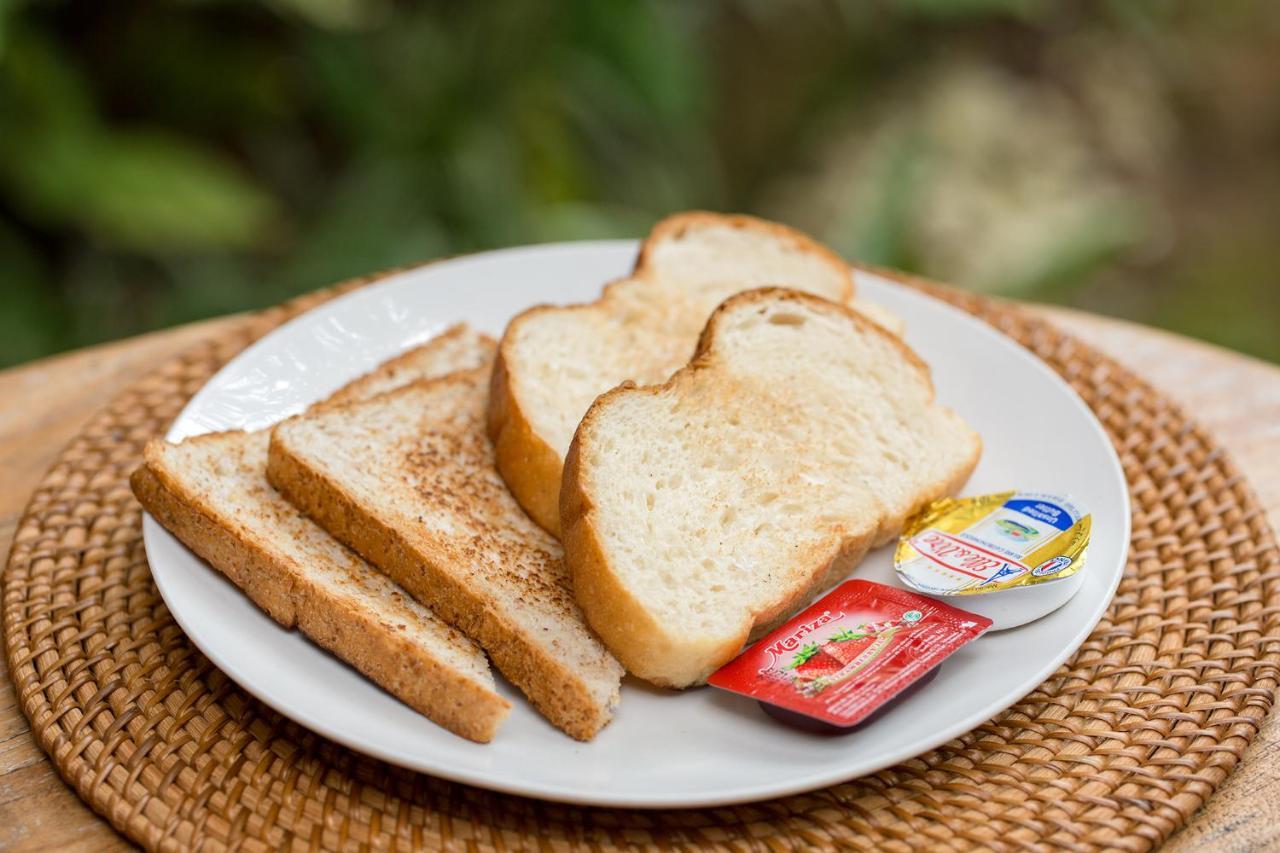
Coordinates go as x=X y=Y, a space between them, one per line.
x=404 y=669
x=549 y=684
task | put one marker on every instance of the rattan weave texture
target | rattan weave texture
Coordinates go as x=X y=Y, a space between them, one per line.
x=1116 y=750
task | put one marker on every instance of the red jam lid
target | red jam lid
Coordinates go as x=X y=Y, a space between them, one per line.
x=850 y=652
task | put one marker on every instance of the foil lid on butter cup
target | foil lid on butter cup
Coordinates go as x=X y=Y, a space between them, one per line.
x=976 y=545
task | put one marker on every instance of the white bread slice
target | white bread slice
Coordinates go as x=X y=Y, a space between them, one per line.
x=702 y=511
x=407 y=479
x=554 y=361
x=212 y=493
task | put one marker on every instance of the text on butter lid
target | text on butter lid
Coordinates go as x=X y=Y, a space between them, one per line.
x=988 y=543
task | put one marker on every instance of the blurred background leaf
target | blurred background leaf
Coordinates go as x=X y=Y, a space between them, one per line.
x=145 y=192
x=166 y=161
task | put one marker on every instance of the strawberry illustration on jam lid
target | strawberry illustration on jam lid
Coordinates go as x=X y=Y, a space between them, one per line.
x=812 y=662
x=812 y=658
x=847 y=643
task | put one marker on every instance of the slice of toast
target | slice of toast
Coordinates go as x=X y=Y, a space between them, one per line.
x=458 y=347
x=702 y=511
x=212 y=493
x=407 y=479
x=554 y=361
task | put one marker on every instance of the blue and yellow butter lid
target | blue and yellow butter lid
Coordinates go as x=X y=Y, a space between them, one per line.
x=988 y=543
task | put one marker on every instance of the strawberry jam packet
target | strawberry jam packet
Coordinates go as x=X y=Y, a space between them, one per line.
x=851 y=652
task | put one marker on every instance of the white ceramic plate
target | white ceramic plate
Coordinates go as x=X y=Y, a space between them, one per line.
x=696 y=748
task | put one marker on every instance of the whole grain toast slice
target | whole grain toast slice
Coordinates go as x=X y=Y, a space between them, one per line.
x=553 y=361
x=407 y=479
x=211 y=492
x=702 y=511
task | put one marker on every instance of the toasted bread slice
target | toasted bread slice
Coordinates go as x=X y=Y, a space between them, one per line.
x=212 y=493
x=458 y=347
x=706 y=509
x=554 y=361
x=407 y=479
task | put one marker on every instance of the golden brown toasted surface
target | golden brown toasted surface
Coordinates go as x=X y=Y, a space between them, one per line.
x=458 y=347
x=408 y=480
x=211 y=492
x=381 y=639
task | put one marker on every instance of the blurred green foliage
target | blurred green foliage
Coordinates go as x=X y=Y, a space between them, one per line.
x=169 y=160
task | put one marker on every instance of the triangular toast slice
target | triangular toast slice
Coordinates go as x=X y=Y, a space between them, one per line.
x=212 y=493
x=407 y=479
x=702 y=511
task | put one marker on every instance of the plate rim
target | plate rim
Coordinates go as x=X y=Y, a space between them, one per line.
x=154 y=535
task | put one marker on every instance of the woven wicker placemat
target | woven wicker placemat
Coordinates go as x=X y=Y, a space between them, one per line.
x=1117 y=749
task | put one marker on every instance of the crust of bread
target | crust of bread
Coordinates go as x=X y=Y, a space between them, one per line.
x=523 y=458
x=643 y=645
x=404 y=669
x=639 y=641
x=532 y=469
x=550 y=684
x=674 y=226
x=243 y=564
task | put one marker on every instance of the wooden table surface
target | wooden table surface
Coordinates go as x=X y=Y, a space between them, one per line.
x=45 y=403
